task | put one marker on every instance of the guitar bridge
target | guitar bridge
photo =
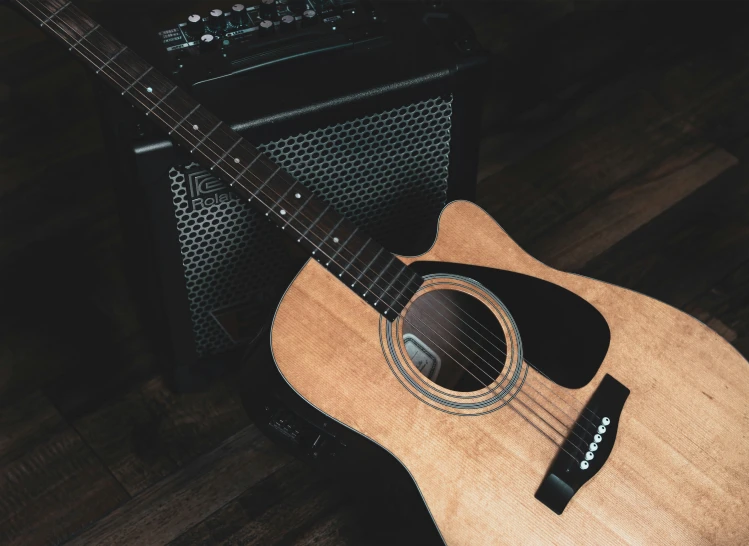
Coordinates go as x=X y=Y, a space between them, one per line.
x=592 y=436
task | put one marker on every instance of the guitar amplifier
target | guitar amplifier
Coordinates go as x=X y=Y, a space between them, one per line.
x=375 y=107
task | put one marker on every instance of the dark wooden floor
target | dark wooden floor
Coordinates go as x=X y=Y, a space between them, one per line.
x=616 y=144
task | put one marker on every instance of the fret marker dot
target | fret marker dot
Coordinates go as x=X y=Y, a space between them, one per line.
x=335 y=239
x=149 y=89
x=298 y=195
x=236 y=160
x=283 y=212
x=195 y=127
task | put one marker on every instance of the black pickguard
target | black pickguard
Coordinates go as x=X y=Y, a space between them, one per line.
x=563 y=335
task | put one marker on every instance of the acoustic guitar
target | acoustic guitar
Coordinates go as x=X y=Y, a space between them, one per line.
x=529 y=405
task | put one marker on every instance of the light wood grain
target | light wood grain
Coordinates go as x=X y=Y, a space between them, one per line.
x=679 y=473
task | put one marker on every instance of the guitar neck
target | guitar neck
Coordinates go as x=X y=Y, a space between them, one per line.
x=375 y=274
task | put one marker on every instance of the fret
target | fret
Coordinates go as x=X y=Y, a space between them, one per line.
x=309 y=227
x=247 y=168
x=162 y=99
x=332 y=231
x=111 y=59
x=79 y=40
x=377 y=278
x=338 y=250
x=361 y=273
x=184 y=118
x=354 y=258
x=205 y=136
x=402 y=291
x=55 y=14
x=264 y=183
x=226 y=153
x=129 y=87
x=293 y=216
x=281 y=198
x=403 y=269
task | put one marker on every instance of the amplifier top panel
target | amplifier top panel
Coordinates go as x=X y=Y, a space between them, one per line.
x=234 y=39
x=223 y=42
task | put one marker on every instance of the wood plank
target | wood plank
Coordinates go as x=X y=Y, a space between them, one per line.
x=687 y=251
x=166 y=510
x=279 y=509
x=534 y=97
x=51 y=483
x=585 y=166
x=148 y=432
x=572 y=244
x=710 y=89
x=337 y=529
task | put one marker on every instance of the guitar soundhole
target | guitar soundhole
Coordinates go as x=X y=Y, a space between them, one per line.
x=454 y=340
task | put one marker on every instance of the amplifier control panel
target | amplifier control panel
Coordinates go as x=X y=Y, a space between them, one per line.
x=241 y=37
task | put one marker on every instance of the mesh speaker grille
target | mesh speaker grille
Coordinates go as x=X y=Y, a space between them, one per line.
x=387 y=172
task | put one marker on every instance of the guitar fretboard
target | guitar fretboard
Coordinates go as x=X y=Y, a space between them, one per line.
x=365 y=266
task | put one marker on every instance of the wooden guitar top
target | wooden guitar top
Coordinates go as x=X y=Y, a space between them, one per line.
x=678 y=473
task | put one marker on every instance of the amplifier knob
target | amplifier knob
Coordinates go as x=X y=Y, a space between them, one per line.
x=309 y=17
x=216 y=21
x=237 y=15
x=268 y=9
x=208 y=43
x=266 y=27
x=195 y=26
x=288 y=23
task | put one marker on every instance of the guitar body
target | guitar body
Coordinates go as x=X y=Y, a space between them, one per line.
x=679 y=469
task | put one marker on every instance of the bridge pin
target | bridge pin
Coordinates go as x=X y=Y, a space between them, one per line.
x=601 y=429
x=593 y=446
x=584 y=465
x=589 y=456
x=606 y=421
x=598 y=438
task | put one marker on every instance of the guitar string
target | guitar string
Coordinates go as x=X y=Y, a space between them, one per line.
x=540 y=372
x=502 y=341
x=587 y=433
x=525 y=417
x=574 y=406
x=389 y=285
x=492 y=379
x=499 y=350
x=540 y=405
x=106 y=62
x=500 y=380
x=393 y=284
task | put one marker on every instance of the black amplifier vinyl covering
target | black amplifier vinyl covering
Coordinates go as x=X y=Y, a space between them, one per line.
x=386 y=130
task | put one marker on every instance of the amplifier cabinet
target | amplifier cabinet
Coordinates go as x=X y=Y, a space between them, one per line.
x=386 y=130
